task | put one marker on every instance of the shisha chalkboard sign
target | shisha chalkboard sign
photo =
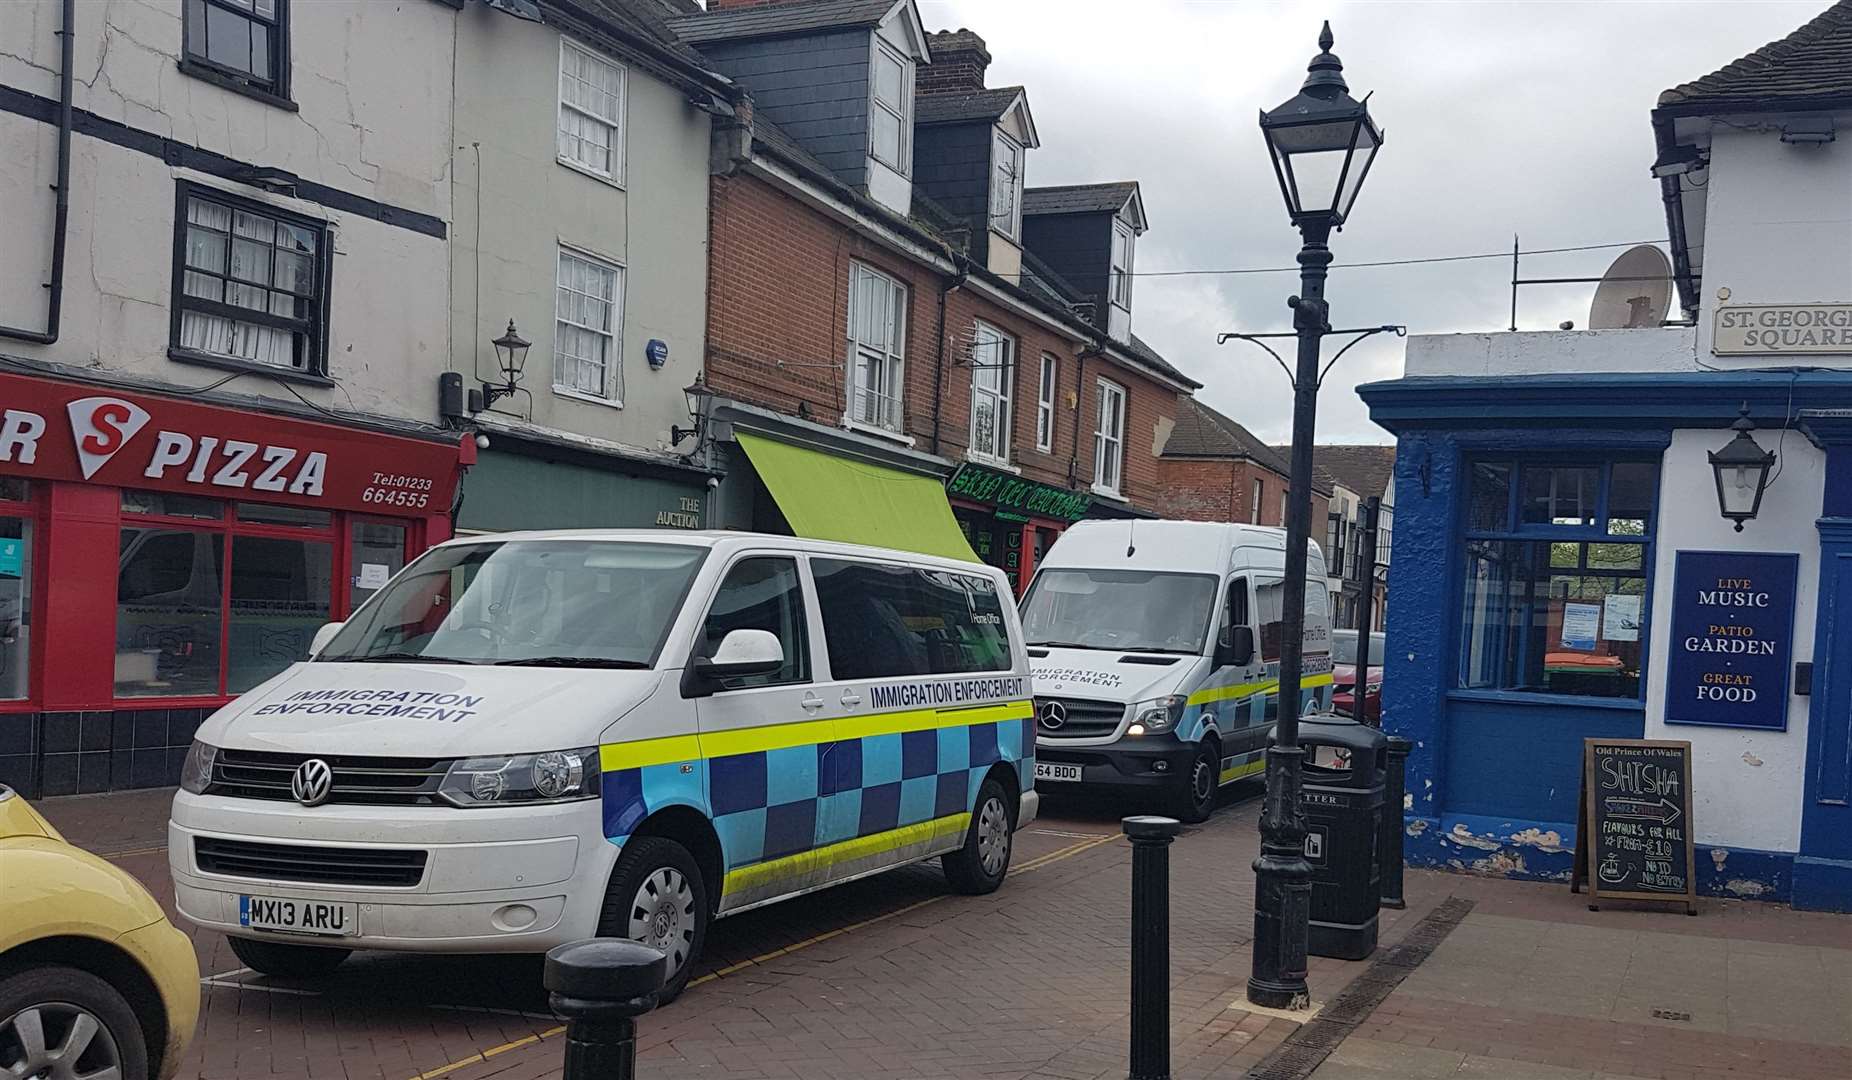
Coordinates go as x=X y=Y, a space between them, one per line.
x=1633 y=830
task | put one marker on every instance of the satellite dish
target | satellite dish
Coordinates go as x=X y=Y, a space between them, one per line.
x=1635 y=292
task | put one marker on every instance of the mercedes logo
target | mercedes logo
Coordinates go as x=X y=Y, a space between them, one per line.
x=312 y=783
x=1053 y=715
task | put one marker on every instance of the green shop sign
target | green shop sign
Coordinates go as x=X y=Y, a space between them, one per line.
x=1014 y=497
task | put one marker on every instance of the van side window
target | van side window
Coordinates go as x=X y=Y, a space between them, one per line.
x=1236 y=613
x=1270 y=609
x=882 y=621
x=761 y=594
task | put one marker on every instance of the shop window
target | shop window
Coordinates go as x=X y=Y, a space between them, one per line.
x=1555 y=577
x=993 y=375
x=279 y=598
x=378 y=552
x=241 y=42
x=169 y=599
x=761 y=594
x=250 y=284
x=166 y=504
x=278 y=514
x=884 y=621
x=15 y=589
x=877 y=336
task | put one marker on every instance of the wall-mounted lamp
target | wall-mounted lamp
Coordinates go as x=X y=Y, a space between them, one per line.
x=1742 y=472
x=1808 y=131
x=1679 y=160
x=698 y=395
x=511 y=356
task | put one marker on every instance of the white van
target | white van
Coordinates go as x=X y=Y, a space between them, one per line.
x=532 y=738
x=1156 y=652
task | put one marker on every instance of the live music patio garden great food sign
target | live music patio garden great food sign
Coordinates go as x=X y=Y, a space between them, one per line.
x=1732 y=639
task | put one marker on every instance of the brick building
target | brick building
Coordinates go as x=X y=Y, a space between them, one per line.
x=906 y=344
x=1213 y=469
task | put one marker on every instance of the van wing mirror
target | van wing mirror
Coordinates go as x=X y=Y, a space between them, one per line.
x=741 y=653
x=1237 y=646
x=324 y=636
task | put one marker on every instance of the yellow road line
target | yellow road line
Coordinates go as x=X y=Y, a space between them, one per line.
x=1033 y=864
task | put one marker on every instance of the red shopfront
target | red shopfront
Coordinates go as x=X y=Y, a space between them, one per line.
x=1011 y=521
x=158 y=557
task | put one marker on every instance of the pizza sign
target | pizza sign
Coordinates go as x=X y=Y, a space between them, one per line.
x=141 y=441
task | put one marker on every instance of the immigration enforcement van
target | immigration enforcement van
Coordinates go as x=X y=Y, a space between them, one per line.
x=1155 y=647
x=531 y=738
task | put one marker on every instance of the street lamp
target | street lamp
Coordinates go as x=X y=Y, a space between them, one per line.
x=698 y=395
x=1742 y=472
x=511 y=356
x=1322 y=142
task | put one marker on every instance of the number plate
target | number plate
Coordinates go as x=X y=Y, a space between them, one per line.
x=322 y=917
x=1050 y=770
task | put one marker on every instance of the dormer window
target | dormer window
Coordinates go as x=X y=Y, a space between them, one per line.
x=1006 y=169
x=1121 y=264
x=891 y=121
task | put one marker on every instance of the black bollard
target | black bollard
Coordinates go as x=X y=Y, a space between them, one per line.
x=1389 y=842
x=600 y=987
x=1151 y=837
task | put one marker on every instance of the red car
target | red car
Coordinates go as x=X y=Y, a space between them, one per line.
x=1344 y=676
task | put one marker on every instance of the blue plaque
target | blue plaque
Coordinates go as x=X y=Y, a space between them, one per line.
x=657 y=352
x=1732 y=639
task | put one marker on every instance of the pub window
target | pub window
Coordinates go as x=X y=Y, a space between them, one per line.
x=250 y=284
x=243 y=43
x=1554 y=590
x=213 y=599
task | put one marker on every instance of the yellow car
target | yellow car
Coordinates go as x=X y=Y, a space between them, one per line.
x=94 y=981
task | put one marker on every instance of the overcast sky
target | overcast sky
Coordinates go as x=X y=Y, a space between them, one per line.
x=1498 y=118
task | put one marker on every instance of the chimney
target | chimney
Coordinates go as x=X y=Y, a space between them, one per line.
x=958 y=62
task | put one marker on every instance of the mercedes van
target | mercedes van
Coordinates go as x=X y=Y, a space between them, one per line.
x=531 y=738
x=1155 y=647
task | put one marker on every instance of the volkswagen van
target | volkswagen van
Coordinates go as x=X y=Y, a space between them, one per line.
x=531 y=738
x=1155 y=647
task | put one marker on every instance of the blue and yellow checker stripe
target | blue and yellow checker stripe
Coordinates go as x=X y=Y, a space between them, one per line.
x=798 y=804
x=1240 y=706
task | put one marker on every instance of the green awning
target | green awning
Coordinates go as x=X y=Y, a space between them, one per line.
x=832 y=498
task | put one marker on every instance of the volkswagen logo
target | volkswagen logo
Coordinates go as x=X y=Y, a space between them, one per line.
x=312 y=783
x=1053 y=715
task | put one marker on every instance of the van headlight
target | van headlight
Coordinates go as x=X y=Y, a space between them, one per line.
x=196 y=770
x=552 y=777
x=1158 y=715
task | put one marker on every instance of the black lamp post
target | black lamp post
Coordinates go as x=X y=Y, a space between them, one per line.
x=1742 y=472
x=1322 y=142
x=698 y=395
x=511 y=356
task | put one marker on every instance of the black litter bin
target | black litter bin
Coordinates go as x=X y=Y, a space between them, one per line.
x=1342 y=799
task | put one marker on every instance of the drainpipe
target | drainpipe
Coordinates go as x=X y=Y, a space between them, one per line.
x=61 y=216
x=1096 y=347
x=957 y=282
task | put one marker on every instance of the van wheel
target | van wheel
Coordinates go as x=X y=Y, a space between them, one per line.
x=287 y=961
x=657 y=897
x=58 y=1021
x=980 y=865
x=1197 y=799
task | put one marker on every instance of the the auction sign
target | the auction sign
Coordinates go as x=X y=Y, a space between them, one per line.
x=53 y=430
x=1732 y=639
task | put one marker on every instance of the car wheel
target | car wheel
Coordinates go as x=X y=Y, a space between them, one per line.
x=980 y=865
x=287 y=961
x=62 y=1022
x=1197 y=799
x=658 y=897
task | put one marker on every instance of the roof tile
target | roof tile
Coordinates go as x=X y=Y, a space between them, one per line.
x=1081 y=198
x=954 y=107
x=1812 y=63
x=776 y=20
x=1203 y=432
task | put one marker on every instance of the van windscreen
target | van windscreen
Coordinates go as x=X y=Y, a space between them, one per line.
x=1119 y=610
x=538 y=603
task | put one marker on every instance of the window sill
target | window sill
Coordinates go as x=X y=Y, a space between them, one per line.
x=589 y=399
x=586 y=170
x=878 y=432
x=992 y=463
x=1109 y=493
x=205 y=74
x=1543 y=700
x=230 y=363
